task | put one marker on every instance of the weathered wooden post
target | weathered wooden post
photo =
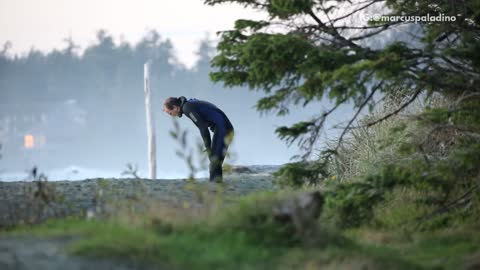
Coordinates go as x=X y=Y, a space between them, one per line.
x=152 y=160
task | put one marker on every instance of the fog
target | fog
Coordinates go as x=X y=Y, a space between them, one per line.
x=59 y=110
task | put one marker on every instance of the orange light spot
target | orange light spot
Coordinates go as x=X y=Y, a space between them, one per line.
x=29 y=141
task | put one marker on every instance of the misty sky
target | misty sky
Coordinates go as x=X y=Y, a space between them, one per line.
x=45 y=24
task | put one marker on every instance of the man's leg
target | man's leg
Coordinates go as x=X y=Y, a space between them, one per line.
x=221 y=140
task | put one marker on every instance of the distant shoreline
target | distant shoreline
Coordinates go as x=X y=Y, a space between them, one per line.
x=78 y=173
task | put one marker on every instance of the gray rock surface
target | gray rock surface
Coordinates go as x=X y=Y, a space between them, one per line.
x=27 y=202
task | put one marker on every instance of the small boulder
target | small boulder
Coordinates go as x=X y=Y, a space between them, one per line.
x=301 y=211
x=241 y=169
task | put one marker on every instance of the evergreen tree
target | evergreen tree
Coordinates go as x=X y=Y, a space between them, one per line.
x=308 y=50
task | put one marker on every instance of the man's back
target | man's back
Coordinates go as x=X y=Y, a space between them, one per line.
x=208 y=112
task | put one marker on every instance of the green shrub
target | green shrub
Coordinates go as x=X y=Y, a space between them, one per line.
x=255 y=216
x=300 y=174
x=434 y=194
x=350 y=204
x=433 y=156
x=400 y=209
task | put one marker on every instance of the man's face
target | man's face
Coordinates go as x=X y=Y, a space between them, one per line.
x=173 y=112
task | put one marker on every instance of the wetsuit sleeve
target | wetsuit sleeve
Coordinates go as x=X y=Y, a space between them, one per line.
x=190 y=111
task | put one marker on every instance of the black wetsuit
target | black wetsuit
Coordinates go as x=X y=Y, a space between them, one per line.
x=205 y=115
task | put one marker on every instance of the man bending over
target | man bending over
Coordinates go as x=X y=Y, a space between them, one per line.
x=206 y=116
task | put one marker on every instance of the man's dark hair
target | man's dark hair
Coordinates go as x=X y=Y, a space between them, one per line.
x=172 y=101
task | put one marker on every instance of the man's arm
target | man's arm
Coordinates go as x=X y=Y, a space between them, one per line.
x=190 y=111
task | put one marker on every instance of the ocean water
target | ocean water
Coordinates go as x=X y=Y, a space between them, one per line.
x=75 y=173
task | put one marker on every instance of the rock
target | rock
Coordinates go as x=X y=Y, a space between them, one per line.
x=241 y=169
x=253 y=169
x=300 y=211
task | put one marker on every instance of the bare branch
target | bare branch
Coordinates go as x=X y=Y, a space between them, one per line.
x=347 y=128
x=415 y=95
x=465 y=97
x=373 y=33
x=315 y=131
x=462 y=200
x=333 y=32
x=357 y=10
x=460 y=67
x=368 y=27
x=462 y=129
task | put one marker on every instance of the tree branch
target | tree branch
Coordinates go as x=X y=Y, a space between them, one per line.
x=357 y=10
x=465 y=97
x=372 y=33
x=319 y=122
x=368 y=27
x=455 y=203
x=333 y=32
x=347 y=128
x=415 y=95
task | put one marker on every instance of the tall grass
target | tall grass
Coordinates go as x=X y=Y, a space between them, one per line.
x=366 y=149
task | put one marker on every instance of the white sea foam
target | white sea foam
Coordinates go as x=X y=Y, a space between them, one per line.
x=74 y=173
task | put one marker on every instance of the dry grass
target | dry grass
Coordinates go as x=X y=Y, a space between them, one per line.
x=365 y=149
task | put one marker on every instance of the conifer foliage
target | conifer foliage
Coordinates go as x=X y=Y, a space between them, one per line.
x=308 y=50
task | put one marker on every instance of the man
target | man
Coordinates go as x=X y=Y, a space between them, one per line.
x=205 y=115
